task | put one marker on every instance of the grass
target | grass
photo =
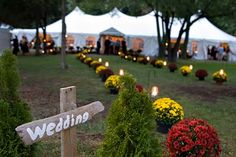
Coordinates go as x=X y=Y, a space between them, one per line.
x=42 y=78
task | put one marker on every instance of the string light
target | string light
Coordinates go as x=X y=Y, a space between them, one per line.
x=154 y=91
x=107 y=64
x=165 y=63
x=100 y=60
x=121 y=72
x=221 y=71
x=191 y=67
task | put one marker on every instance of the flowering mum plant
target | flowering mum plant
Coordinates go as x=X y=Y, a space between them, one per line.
x=172 y=67
x=88 y=60
x=112 y=82
x=193 y=138
x=142 y=59
x=185 y=70
x=139 y=87
x=78 y=55
x=105 y=73
x=201 y=74
x=100 y=68
x=168 y=111
x=95 y=64
x=159 y=63
x=220 y=76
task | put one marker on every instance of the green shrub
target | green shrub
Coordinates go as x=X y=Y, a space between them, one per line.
x=13 y=112
x=130 y=125
x=13 y=115
x=9 y=76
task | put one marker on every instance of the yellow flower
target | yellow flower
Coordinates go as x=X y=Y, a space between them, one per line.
x=100 y=68
x=112 y=81
x=220 y=76
x=185 y=69
x=168 y=111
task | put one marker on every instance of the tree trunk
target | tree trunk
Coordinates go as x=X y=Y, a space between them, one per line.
x=44 y=34
x=173 y=53
x=184 y=50
x=63 y=37
x=160 y=44
x=37 y=40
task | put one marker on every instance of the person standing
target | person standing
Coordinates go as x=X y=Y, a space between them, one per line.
x=15 y=45
x=124 y=47
x=98 y=46
x=107 y=46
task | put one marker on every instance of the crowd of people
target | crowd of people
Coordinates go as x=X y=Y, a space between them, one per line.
x=23 y=45
x=218 y=53
x=111 y=47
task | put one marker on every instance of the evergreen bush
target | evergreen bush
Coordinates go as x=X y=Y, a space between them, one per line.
x=13 y=111
x=9 y=76
x=130 y=124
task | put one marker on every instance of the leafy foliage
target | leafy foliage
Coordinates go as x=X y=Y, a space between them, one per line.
x=9 y=77
x=13 y=111
x=130 y=124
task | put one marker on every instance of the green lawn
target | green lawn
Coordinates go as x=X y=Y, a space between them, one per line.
x=42 y=78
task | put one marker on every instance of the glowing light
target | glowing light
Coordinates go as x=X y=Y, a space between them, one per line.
x=66 y=35
x=119 y=53
x=166 y=44
x=164 y=63
x=100 y=60
x=32 y=43
x=148 y=58
x=126 y=57
x=121 y=72
x=191 y=67
x=44 y=40
x=221 y=71
x=42 y=51
x=134 y=59
x=107 y=64
x=154 y=91
x=51 y=50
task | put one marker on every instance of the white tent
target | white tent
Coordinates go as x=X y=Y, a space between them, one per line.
x=5 y=37
x=83 y=27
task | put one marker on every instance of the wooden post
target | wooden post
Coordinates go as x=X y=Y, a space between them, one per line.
x=68 y=137
x=63 y=123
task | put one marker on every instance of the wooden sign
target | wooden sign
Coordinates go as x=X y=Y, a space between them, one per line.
x=40 y=129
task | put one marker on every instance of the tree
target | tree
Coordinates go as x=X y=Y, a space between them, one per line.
x=63 y=36
x=184 y=10
x=130 y=124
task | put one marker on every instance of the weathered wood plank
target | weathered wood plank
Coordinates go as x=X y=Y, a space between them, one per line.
x=68 y=136
x=43 y=128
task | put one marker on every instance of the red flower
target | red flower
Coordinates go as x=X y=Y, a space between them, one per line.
x=193 y=137
x=139 y=87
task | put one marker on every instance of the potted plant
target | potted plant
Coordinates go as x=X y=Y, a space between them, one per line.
x=94 y=64
x=130 y=127
x=100 y=68
x=172 y=67
x=193 y=137
x=168 y=112
x=220 y=76
x=159 y=63
x=112 y=83
x=88 y=60
x=201 y=74
x=185 y=70
x=142 y=59
x=105 y=73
